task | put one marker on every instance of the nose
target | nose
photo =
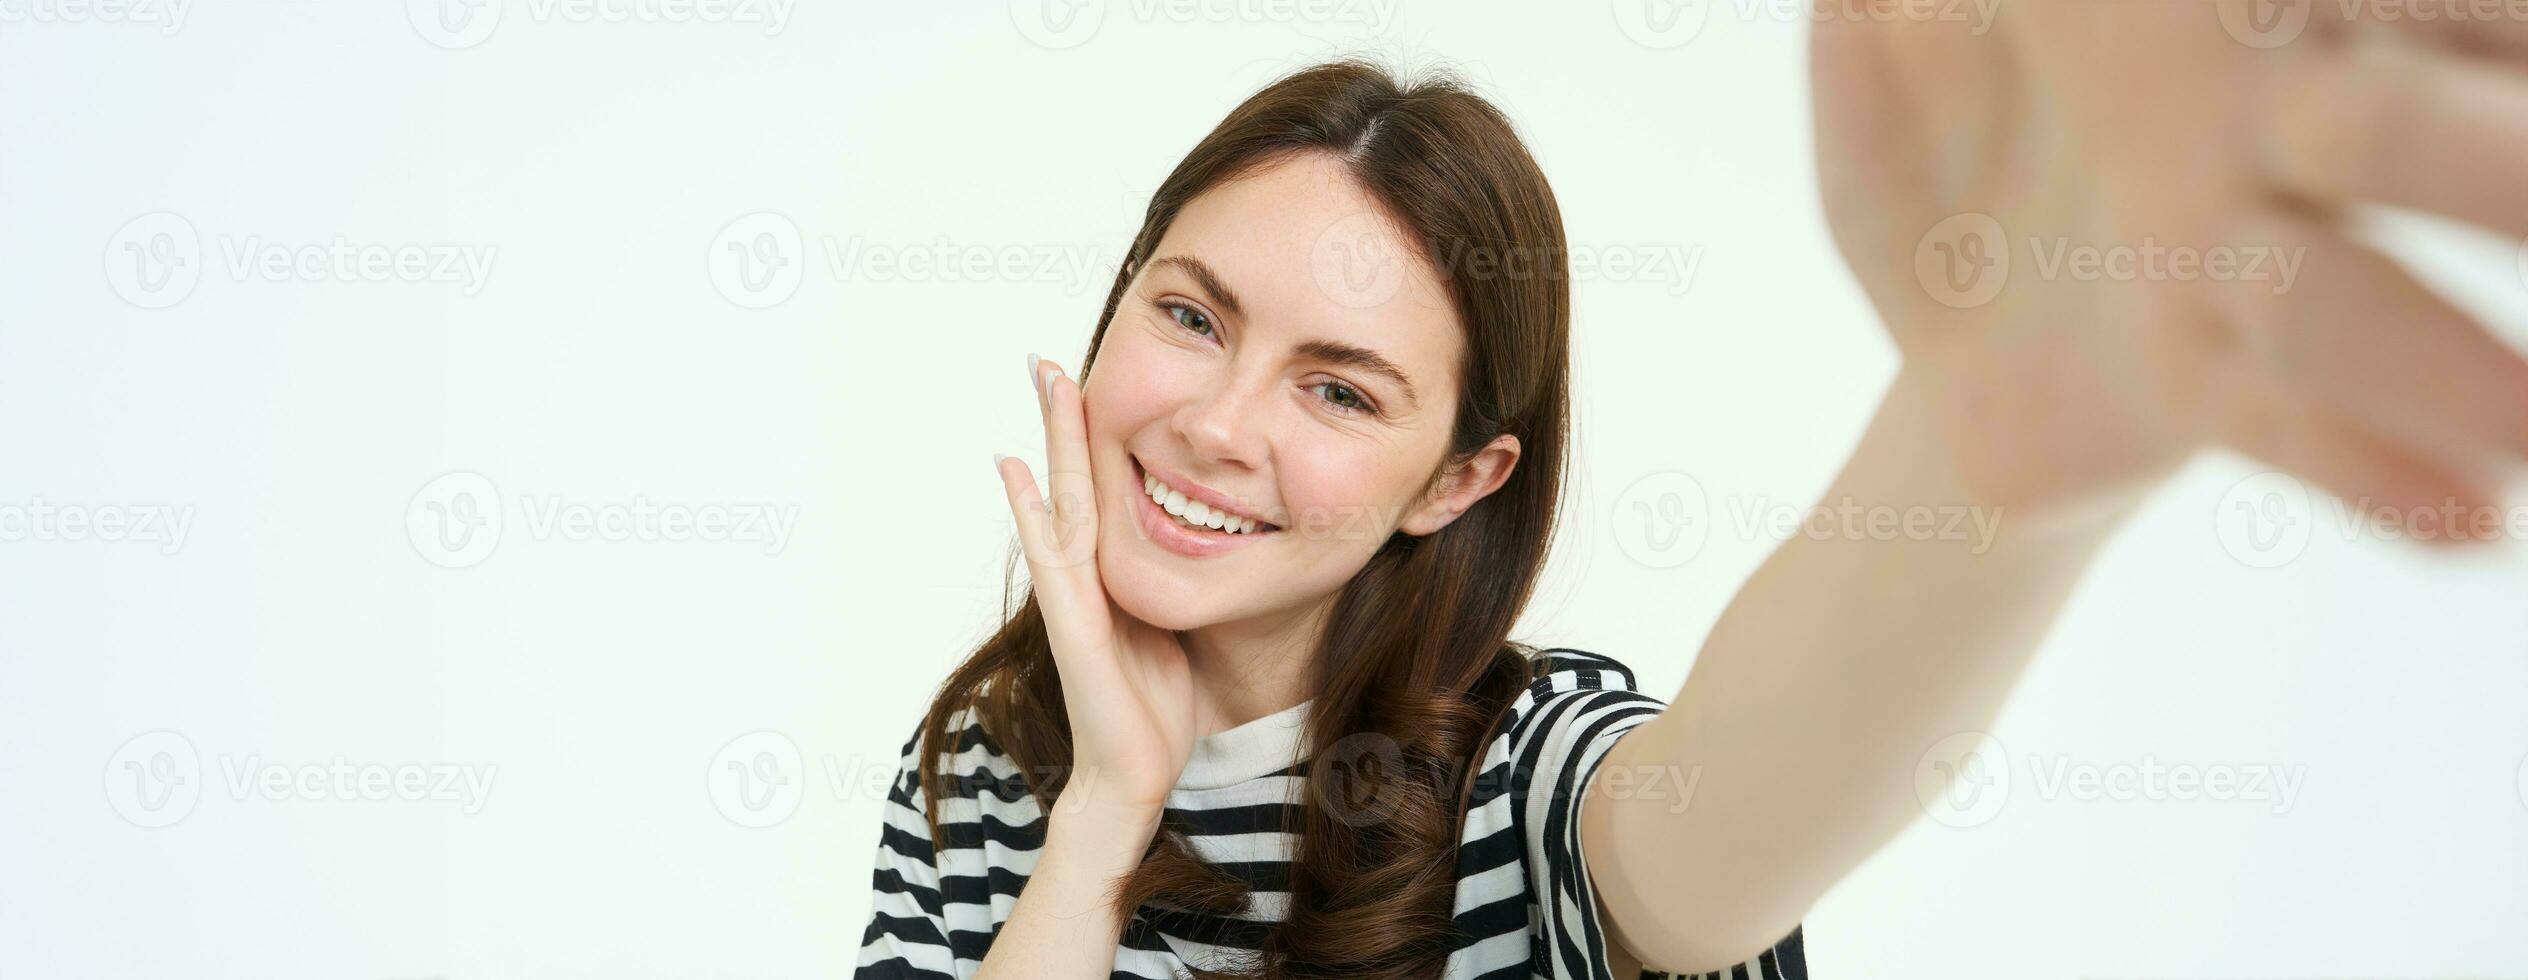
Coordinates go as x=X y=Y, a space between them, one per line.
x=1225 y=424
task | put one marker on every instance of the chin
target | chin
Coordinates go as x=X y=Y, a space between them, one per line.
x=1153 y=596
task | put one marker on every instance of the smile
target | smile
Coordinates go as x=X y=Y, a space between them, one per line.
x=1195 y=514
x=1167 y=517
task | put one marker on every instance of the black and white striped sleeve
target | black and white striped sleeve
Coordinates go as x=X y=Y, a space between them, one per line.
x=907 y=935
x=1557 y=744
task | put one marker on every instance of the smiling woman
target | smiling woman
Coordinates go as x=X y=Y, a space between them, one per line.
x=1260 y=714
x=1263 y=683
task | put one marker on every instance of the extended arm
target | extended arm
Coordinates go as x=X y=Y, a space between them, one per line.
x=2047 y=404
x=1843 y=659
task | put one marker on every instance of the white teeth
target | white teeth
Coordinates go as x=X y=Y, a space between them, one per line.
x=1194 y=513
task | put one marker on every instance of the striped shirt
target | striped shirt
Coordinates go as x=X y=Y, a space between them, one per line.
x=1524 y=908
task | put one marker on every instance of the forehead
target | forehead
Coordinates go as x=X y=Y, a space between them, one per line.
x=1311 y=255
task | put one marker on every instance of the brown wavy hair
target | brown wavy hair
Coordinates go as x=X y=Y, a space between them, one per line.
x=1415 y=666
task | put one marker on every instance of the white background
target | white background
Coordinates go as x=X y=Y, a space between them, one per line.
x=304 y=426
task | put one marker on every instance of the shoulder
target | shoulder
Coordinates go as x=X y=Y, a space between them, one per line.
x=972 y=764
x=1568 y=669
x=1567 y=685
x=1553 y=731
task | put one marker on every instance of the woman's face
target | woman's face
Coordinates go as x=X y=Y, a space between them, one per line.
x=1286 y=353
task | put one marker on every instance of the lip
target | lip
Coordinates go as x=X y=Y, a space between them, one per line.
x=1211 y=498
x=1158 y=527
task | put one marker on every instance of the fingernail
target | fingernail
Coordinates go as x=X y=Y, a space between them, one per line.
x=1035 y=376
x=997 y=458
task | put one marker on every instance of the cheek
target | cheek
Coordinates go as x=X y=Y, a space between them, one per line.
x=1136 y=383
x=1345 y=488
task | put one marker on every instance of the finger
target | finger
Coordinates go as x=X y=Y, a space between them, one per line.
x=1066 y=451
x=2351 y=330
x=1036 y=379
x=1072 y=527
x=2387 y=483
x=1027 y=507
x=2395 y=125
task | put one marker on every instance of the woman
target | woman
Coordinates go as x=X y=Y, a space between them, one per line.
x=1260 y=715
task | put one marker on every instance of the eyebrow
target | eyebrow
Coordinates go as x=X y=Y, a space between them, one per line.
x=1329 y=351
x=1207 y=279
x=1337 y=352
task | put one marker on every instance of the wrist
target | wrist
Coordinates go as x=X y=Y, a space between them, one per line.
x=1100 y=825
x=2053 y=464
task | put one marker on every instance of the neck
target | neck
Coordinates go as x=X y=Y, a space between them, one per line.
x=1250 y=668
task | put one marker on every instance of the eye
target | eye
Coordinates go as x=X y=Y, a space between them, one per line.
x=1193 y=320
x=1344 y=398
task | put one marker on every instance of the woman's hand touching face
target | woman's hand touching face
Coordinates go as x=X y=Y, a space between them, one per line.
x=2109 y=233
x=1125 y=683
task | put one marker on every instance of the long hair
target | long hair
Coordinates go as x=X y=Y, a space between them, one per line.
x=1415 y=665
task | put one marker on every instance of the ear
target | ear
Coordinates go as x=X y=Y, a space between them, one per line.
x=1461 y=485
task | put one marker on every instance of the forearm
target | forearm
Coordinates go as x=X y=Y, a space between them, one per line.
x=1065 y=923
x=1844 y=658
